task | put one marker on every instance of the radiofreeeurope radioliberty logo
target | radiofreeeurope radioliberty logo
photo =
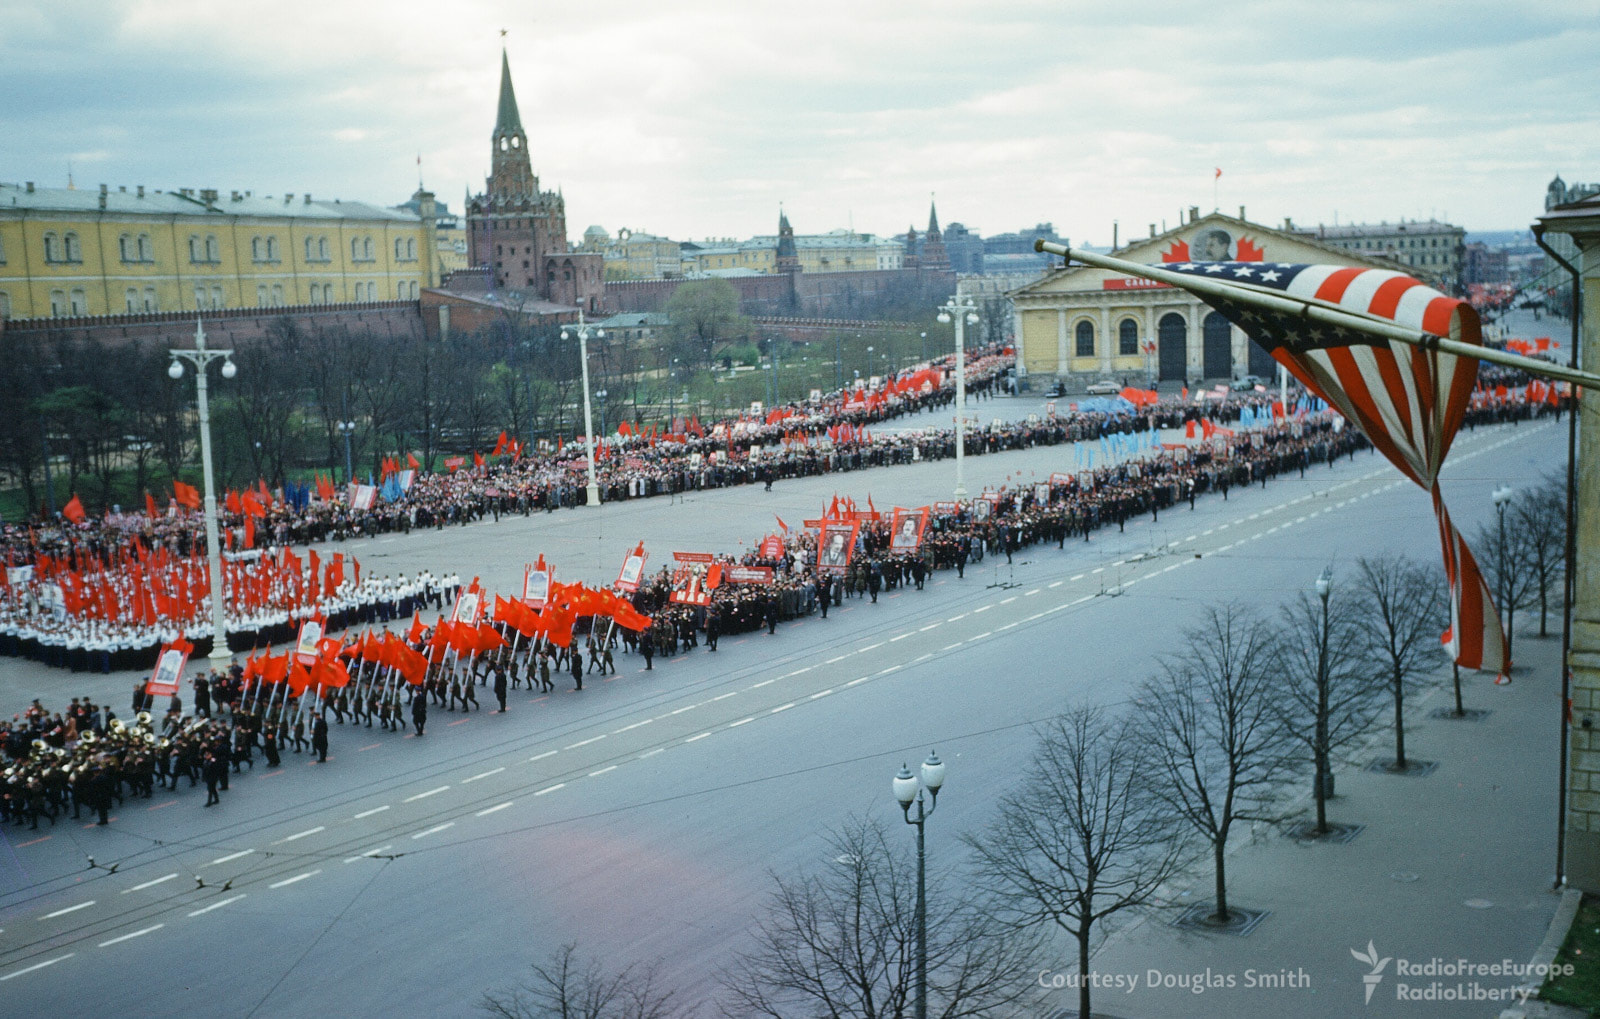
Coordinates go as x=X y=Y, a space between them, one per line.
x=1370 y=958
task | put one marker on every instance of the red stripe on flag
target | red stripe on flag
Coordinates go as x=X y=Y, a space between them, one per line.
x=1333 y=288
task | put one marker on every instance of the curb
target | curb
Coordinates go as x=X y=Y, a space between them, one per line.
x=1545 y=954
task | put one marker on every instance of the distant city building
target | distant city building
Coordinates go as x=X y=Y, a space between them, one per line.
x=1559 y=193
x=68 y=253
x=450 y=247
x=520 y=231
x=965 y=249
x=1483 y=264
x=1013 y=253
x=1083 y=324
x=1429 y=249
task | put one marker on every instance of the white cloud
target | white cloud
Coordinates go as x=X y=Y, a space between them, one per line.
x=699 y=117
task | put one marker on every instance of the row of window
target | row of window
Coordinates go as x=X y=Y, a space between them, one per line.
x=75 y=302
x=67 y=249
x=1127 y=338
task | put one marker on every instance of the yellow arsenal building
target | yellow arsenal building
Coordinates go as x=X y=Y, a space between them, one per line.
x=68 y=253
x=1084 y=325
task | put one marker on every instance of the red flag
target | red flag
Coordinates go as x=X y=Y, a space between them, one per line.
x=477 y=459
x=500 y=445
x=417 y=629
x=413 y=462
x=187 y=495
x=230 y=502
x=73 y=510
x=249 y=532
x=150 y=505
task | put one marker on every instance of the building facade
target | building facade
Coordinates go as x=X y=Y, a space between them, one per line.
x=1081 y=325
x=1428 y=249
x=520 y=231
x=68 y=253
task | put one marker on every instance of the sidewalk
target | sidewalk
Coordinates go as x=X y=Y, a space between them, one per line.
x=1455 y=865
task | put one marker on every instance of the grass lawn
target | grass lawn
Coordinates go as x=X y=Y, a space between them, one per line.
x=1582 y=951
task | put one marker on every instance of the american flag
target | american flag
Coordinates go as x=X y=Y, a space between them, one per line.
x=1408 y=401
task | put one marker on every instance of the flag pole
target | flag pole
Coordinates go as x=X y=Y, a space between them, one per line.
x=1320 y=311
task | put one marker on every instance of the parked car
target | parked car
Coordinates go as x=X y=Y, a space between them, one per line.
x=1056 y=390
x=1246 y=384
x=1104 y=389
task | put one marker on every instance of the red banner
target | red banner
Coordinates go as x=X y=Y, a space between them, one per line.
x=748 y=574
x=168 y=673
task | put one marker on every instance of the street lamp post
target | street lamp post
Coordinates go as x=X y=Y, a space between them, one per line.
x=1324 y=586
x=601 y=394
x=346 y=429
x=907 y=789
x=963 y=313
x=1502 y=498
x=582 y=330
x=869 y=360
x=924 y=344
x=201 y=357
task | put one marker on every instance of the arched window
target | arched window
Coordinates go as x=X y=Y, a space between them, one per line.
x=74 y=250
x=272 y=249
x=151 y=301
x=213 y=250
x=147 y=250
x=255 y=249
x=79 y=301
x=199 y=298
x=125 y=248
x=399 y=248
x=2 y=251
x=355 y=249
x=411 y=248
x=277 y=295
x=52 y=248
x=194 y=248
x=5 y=305
x=1085 y=339
x=132 y=299
x=366 y=248
x=311 y=250
x=261 y=295
x=414 y=290
x=58 y=303
x=217 y=300
x=1127 y=337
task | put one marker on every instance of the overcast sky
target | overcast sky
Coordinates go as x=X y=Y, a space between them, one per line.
x=696 y=118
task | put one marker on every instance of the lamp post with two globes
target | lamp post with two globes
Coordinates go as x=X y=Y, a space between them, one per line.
x=908 y=789
x=201 y=357
x=582 y=331
x=962 y=313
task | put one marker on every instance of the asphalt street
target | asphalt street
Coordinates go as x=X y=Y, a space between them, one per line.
x=642 y=817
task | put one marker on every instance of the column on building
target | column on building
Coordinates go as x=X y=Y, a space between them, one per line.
x=1062 y=353
x=1016 y=330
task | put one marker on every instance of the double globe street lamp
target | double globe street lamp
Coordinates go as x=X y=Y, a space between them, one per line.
x=1501 y=498
x=963 y=313
x=201 y=357
x=582 y=331
x=907 y=790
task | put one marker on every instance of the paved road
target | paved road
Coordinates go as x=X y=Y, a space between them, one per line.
x=641 y=816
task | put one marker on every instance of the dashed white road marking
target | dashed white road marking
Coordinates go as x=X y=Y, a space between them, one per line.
x=821 y=693
x=952 y=647
x=1002 y=629
x=1008 y=601
x=368 y=854
x=291 y=880
x=482 y=774
x=37 y=966
x=651 y=753
x=885 y=672
x=219 y=904
x=930 y=626
x=701 y=736
x=130 y=937
x=742 y=721
x=861 y=679
x=984 y=608
x=781 y=707
x=423 y=796
x=303 y=834
x=635 y=725
x=1060 y=582
x=723 y=697
x=903 y=636
x=551 y=788
x=602 y=771
x=982 y=635
x=1030 y=594
x=585 y=742
x=247 y=852
x=494 y=809
x=69 y=909
x=434 y=830
x=540 y=757
x=797 y=672
x=149 y=884
x=764 y=682
x=1097 y=569
x=869 y=647
x=681 y=710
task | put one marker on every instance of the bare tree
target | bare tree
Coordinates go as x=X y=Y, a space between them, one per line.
x=1328 y=690
x=1540 y=516
x=1505 y=556
x=569 y=987
x=1088 y=837
x=1216 y=742
x=842 y=943
x=1401 y=620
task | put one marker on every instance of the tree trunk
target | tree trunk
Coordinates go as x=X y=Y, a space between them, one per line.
x=1399 y=722
x=1511 y=624
x=1544 y=605
x=1321 y=773
x=1083 y=972
x=1218 y=849
x=1456 y=669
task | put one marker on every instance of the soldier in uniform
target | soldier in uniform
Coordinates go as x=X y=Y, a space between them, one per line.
x=319 y=737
